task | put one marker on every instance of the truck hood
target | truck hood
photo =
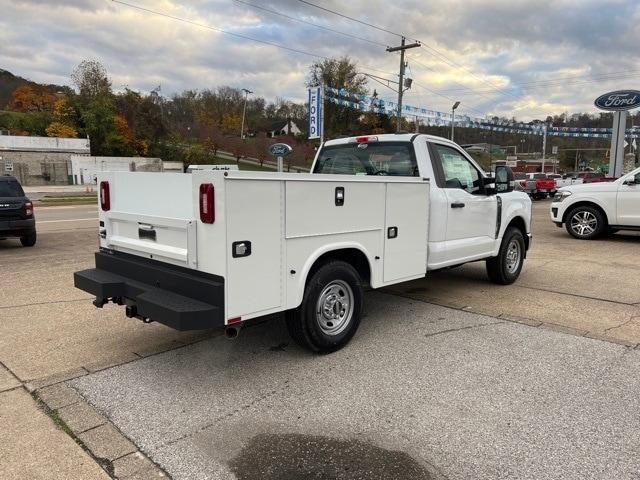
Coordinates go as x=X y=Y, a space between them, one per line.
x=591 y=187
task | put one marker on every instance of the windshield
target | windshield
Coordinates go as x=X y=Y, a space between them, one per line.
x=11 y=189
x=388 y=158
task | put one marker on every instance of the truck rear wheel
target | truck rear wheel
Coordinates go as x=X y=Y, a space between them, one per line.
x=331 y=308
x=505 y=268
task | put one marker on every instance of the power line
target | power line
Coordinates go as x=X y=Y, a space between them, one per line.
x=444 y=58
x=576 y=80
x=448 y=98
x=351 y=18
x=275 y=12
x=470 y=90
x=233 y=34
x=429 y=49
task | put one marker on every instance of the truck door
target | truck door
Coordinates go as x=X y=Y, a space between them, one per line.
x=628 y=203
x=471 y=215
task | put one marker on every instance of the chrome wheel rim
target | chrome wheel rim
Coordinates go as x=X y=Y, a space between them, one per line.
x=584 y=223
x=334 y=308
x=513 y=256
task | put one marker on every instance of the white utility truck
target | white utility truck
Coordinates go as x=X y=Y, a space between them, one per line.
x=591 y=209
x=213 y=249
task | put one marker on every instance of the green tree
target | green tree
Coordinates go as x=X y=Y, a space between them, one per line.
x=341 y=73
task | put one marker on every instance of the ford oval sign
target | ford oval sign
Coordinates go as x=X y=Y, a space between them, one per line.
x=280 y=149
x=619 y=100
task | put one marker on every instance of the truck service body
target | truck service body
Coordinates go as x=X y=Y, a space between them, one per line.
x=212 y=249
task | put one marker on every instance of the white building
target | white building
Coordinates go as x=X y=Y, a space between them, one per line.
x=84 y=169
x=40 y=160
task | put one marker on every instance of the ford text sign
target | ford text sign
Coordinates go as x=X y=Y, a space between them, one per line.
x=619 y=100
x=315 y=112
x=280 y=149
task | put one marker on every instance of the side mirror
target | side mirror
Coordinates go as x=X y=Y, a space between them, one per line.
x=632 y=180
x=504 y=179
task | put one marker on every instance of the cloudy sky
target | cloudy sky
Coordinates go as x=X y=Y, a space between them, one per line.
x=526 y=58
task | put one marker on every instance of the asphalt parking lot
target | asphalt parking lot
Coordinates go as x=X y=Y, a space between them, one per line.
x=448 y=377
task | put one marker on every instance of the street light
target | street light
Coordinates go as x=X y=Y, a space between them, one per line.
x=453 y=117
x=244 y=109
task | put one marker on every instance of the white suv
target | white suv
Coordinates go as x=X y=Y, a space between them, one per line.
x=591 y=209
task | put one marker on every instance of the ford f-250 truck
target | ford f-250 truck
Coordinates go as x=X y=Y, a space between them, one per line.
x=213 y=249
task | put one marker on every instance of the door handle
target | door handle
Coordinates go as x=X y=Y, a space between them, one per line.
x=457 y=205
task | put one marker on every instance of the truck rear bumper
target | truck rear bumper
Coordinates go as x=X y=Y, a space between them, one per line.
x=180 y=298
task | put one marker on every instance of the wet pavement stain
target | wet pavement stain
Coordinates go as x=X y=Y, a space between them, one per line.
x=307 y=457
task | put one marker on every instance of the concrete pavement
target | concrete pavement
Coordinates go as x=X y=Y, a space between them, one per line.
x=34 y=448
x=586 y=287
x=442 y=392
x=50 y=333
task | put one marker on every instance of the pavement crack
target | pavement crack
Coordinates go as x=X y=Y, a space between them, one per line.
x=548 y=290
x=626 y=322
x=468 y=327
x=43 y=303
x=224 y=416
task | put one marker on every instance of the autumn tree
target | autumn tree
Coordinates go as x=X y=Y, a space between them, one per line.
x=230 y=123
x=28 y=99
x=57 y=129
x=91 y=79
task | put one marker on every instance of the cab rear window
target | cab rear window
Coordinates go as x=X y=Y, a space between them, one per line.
x=384 y=158
x=10 y=189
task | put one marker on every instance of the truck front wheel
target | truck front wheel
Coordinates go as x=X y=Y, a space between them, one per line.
x=505 y=268
x=330 y=311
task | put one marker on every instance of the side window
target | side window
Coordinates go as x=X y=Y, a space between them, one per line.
x=458 y=171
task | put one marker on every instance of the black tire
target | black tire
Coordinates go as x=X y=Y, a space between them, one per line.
x=585 y=222
x=29 y=240
x=505 y=269
x=316 y=331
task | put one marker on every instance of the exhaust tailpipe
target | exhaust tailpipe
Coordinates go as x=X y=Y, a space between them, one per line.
x=232 y=332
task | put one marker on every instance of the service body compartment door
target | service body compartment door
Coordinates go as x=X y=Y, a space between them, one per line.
x=255 y=229
x=406 y=221
x=323 y=208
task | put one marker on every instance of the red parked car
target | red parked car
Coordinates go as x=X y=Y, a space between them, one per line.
x=594 y=177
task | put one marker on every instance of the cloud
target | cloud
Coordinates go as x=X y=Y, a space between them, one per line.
x=486 y=53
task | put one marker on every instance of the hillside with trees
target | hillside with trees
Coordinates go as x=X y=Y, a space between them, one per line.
x=194 y=125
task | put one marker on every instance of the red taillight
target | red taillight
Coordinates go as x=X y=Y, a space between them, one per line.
x=28 y=209
x=105 y=196
x=207 y=210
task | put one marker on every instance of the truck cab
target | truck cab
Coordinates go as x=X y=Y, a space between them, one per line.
x=466 y=216
x=227 y=247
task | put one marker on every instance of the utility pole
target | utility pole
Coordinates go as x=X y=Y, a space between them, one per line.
x=244 y=109
x=401 y=49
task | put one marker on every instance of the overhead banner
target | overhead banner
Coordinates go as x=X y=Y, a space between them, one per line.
x=315 y=112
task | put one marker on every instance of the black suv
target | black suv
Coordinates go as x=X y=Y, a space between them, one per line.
x=16 y=212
